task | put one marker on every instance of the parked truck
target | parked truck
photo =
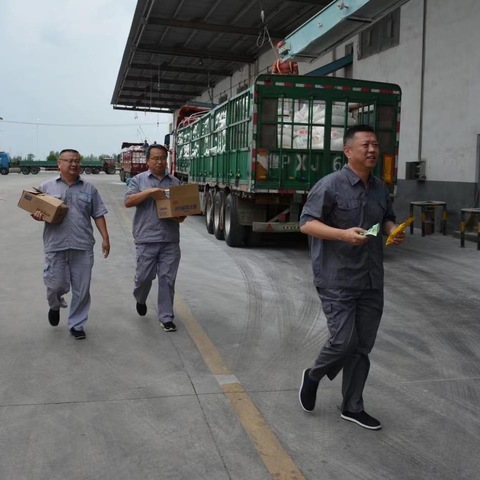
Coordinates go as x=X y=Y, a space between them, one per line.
x=256 y=156
x=104 y=164
x=4 y=163
x=132 y=160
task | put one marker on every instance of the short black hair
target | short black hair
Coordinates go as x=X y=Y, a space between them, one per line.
x=351 y=131
x=154 y=145
x=71 y=150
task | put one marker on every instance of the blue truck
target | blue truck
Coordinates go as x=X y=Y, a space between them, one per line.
x=4 y=163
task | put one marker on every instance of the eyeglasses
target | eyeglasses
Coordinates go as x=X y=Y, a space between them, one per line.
x=158 y=159
x=71 y=161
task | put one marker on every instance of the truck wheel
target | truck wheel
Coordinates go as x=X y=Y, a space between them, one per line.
x=35 y=170
x=95 y=171
x=234 y=232
x=209 y=211
x=218 y=212
x=4 y=171
x=122 y=175
x=110 y=170
x=82 y=170
x=25 y=170
x=88 y=170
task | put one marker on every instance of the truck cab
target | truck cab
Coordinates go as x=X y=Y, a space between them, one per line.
x=4 y=163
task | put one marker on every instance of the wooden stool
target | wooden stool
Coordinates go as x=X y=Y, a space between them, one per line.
x=427 y=204
x=472 y=211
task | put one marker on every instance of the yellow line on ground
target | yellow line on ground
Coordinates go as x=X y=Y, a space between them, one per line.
x=276 y=459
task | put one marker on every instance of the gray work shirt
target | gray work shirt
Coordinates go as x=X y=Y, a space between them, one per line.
x=75 y=231
x=341 y=200
x=147 y=227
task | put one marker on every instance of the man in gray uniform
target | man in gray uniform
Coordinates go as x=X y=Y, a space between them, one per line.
x=157 y=240
x=69 y=245
x=348 y=270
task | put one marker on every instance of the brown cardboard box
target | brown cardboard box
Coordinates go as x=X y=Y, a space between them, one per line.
x=178 y=201
x=54 y=210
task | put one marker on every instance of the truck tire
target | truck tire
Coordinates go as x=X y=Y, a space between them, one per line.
x=34 y=170
x=234 y=232
x=122 y=175
x=88 y=170
x=218 y=212
x=25 y=170
x=95 y=171
x=110 y=170
x=4 y=171
x=82 y=170
x=209 y=207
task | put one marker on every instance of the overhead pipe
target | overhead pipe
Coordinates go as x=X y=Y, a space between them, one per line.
x=422 y=83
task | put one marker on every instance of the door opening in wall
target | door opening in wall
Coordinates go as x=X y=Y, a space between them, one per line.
x=476 y=201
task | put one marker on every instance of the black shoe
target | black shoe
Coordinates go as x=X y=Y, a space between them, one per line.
x=53 y=317
x=363 y=419
x=169 y=327
x=78 y=334
x=141 y=309
x=308 y=392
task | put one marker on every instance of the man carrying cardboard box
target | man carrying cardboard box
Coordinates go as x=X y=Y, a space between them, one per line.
x=69 y=245
x=157 y=239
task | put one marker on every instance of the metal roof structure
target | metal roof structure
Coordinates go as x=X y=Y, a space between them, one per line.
x=178 y=49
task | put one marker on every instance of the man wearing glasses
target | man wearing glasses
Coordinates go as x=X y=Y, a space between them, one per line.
x=69 y=245
x=157 y=240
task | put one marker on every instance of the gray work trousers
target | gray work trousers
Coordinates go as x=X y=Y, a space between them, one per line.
x=162 y=260
x=64 y=269
x=353 y=318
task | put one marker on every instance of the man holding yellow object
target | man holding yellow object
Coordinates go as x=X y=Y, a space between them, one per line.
x=348 y=270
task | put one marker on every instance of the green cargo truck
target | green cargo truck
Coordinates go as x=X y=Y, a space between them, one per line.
x=107 y=165
x=256 y=156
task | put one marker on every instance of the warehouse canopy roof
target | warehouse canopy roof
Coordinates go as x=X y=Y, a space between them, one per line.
x=178 y=49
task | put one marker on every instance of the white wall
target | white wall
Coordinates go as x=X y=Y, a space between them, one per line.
x=401 y=65
x=452 y=93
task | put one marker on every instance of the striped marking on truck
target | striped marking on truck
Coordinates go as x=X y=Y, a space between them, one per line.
x=281 y=192
x=345 y=88
x=254 y=142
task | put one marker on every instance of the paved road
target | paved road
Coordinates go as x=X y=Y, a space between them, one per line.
x=217 y=400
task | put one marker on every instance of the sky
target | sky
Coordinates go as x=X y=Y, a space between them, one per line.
x=59 y=62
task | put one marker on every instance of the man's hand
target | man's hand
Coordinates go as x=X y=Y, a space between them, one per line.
x=354 y=236
x=152 y=190
x=38 y=216
x=138 y=198
x=105 y=248
x=398 y=238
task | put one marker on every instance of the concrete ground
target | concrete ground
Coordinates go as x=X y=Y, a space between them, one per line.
x=217 y=399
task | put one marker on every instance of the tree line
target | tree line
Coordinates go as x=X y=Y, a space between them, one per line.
x=53 y=156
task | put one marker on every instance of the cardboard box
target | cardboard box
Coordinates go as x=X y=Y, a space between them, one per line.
x=53 y=209
x=178 y=201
